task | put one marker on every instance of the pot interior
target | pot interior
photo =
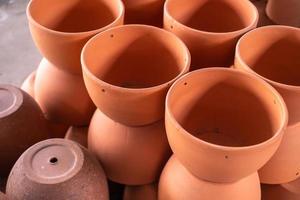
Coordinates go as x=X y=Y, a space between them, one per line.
x=136 y=57
x=212 y=15
x=225 y=108
x=274 y=53
x=74 y=15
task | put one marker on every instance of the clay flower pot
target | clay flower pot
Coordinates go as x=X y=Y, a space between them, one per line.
x=21 y=125
x=129 y=155
x=210 y=29
x=137 y=66
x=272 y=53
x=62 y=96
x=144 y=12
x=218 y=119
x=285 y=12
x=28 y=84
x=61 y=28
x=177 y=183
x=57 y=169
x=78 y=134
x=287 y=191
x=141 y=192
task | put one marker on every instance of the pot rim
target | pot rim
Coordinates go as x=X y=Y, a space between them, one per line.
x=18 y=99
x=273 y=139
x=238 y=56
x=185 y=69
x=237 y=32
x=121 y=8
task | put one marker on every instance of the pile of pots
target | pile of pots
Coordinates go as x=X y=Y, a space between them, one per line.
x=155 y=99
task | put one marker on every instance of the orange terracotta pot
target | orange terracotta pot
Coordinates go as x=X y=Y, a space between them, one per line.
x=177 y=183
x=62 y=96
x=22 y=124
x=141 y=192
x=218 y=119
x=57 y=169
x=129 y=155
x=61 y=28
x=285 y=12
x=137 y=66
x=210 y=28
x=28 y=84
x=78 y=134
x=272 y=53
x=144 y=12
x=287 y=191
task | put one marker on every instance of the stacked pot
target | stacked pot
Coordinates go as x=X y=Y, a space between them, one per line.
x=128 y=85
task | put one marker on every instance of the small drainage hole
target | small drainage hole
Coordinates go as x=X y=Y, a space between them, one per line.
x=53 y=160
x=185 y=83
x=226 y=157
x=172 y=27
x=103 y=90
x=112 y=35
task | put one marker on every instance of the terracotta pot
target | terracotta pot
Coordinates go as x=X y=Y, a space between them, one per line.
x=78 y=134
x=141 y=192
x=144 y=12
x=210 y=29
x=62 y=96
x=3 y=196
x=272 y=53
x=61 y=28
x=28 y=84
x=138 y=64
x=129 y=155
x=207 y=128
x=22 y=124
x=57 y=169
x=288 y=191
x=285 y=12
x=177 y=183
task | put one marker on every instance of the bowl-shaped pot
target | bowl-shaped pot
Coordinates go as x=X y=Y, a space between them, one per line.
x=285 y=12
x=224 y=124
x=78 y=134
x=177 y=183
x=141 y=192
x=62 y=96
x=57 y=169
x=61 y=28
x=129 y=155
x=137 y=66
x=22 y=124
x=287 y=191
x=210 y=28
x=272 y=53
x=144 y=12
x=28 y=84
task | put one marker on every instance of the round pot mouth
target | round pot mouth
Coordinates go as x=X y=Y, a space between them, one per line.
x=121 y=12
x=90 y=74
x=252 y=24
x=53 y=161
x=248 y=68
x=277 y=134
x=11 y=99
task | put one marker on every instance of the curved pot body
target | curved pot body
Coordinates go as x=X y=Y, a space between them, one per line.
x=129 y=155
x=62 y=96
x=144 y=12
x=61 y=28
x=22 y=124
x=177 y=183
x=141 y=192
x=285 y=12
x=287 y=191
x=213 y=125
x=78 y=134
x=28 y=84
x=3 y=196
x=272 y=53
x=57 y=169
x=210 y=28
x=137 y=66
